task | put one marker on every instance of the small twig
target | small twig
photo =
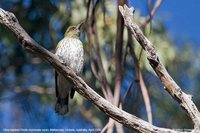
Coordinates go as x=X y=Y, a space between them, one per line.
x=88 y=10
x=104 y=128
x=118 y=55
x=140 y=79
x=146 y=97
x=118 y=58
x=152 y=12
x=127 y=92
x=111 y=124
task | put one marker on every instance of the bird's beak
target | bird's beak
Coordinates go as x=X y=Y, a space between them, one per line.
x=80 y=25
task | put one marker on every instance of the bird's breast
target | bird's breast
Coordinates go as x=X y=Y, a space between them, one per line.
x=70 y=51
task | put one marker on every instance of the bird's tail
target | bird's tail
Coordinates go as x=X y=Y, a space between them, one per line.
x=61 y=106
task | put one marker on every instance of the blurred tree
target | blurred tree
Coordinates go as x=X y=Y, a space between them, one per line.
x=27 y=85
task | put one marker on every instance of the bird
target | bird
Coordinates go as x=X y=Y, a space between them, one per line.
x=70 y=52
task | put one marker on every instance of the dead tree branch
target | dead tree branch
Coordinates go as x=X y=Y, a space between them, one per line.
x=169 y=84
x=10 y=21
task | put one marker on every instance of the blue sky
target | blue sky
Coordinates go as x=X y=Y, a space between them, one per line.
x=181 y=18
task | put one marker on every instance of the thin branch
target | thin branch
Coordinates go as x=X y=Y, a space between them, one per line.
x=169 y=84
x=111 y=125
x=150 y=6
x=152 y=11
x=101 y=75
x=140 y=78
x=118 y=59
x=88 y=10
x=127 y=91
x=104 y=128
x=155 y=8
x=118 y=54
x=146 y=97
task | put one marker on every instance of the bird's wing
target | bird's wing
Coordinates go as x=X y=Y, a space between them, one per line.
x=56 y=83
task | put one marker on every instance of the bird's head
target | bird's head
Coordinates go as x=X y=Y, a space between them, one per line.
x=73 y=31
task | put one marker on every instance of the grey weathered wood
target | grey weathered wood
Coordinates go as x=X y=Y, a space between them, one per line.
x=10 y=21
x=170 y=85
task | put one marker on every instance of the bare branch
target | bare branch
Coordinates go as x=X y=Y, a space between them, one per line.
x=118 y=54
x=140 y=78
x=152 y=11
x=9 y=20
x=146 y=97
x=118 y=59
x=93 y=40
x=169 y=84
x=104 y=128
x=127 y=92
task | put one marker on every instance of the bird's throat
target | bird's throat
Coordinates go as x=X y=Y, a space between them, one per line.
x=72 y=35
